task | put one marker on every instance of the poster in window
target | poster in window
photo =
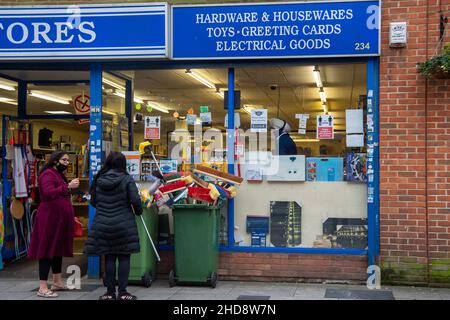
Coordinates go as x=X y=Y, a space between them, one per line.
x=325 y=127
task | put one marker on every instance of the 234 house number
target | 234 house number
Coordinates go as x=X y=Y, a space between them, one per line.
x=362 y=46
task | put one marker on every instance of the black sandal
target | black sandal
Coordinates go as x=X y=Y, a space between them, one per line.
x=108 y=296
x=127 y=296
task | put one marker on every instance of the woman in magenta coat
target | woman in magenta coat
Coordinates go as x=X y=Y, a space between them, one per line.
x=52 y=236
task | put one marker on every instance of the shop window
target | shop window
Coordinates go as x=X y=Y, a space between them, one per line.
x=308 y=190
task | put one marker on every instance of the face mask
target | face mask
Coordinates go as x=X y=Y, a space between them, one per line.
x=61 y=167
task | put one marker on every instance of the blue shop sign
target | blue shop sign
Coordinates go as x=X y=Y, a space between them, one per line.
x=83 y=32
x=276 y=30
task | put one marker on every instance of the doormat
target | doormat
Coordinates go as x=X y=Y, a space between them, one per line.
x=253 y=297
x=84 y=288
x=359 y=294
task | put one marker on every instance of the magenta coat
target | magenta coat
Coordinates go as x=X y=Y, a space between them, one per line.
x=52 y=234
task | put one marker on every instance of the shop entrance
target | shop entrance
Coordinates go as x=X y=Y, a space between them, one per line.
x=45 y=111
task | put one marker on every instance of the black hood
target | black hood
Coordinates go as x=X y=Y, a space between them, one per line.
x=110 y=180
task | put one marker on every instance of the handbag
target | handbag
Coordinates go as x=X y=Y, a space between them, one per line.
x=78 y=228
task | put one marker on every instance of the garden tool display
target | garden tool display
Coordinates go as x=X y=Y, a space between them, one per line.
x=219 y=175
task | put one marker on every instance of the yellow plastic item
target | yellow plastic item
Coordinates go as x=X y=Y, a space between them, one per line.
x=143 y=145
x=146 y=198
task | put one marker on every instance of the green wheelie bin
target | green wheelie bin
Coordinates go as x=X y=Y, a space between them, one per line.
x=196 y=231
x=143 y=264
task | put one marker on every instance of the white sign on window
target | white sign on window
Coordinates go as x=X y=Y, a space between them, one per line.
x=258 y=120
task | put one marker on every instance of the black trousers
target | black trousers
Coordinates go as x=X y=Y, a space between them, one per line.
x=46 y=263
x=110 y=272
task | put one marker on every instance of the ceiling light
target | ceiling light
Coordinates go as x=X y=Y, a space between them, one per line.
x=248 y=109
x=306 y=140
x=200 y=79
x=113 y=84
x=157 y=106
x=47 y=97
x=138 y=100
x=317 y=78
x=220 y=93
x=6 y=87
x=8 y=100
x=109 y=112
x=58 y=112
x=323 y=96
x=122 y=95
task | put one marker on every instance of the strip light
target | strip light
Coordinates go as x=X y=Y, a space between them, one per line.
x=317 y=78
x=6 y=87
x=306 y=140
x=58 y=112
x=248 y=109
x=158 y=107
x=323 y=96
x=49 y=98
x=220 y=94
x=122 y=95
x=109 y=112
x=113 y=84
x=200 y=79
x=8 y=101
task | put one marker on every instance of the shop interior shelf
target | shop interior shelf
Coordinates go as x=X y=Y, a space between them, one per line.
x=81 y=204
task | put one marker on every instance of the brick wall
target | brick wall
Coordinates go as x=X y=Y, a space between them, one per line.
x=281 y=267
x=414 y=192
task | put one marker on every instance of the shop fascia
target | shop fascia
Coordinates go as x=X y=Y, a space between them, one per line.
x=39 y=32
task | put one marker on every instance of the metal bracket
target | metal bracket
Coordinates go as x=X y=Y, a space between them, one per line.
x=443 y=22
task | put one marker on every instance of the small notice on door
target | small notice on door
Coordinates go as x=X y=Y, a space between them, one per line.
x=325 y=127
x=152 y=127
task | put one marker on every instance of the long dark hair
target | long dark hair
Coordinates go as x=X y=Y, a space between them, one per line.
x=115 y=161
x=54 y=159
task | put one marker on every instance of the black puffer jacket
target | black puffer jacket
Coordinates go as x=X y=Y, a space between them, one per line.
x=114 y=229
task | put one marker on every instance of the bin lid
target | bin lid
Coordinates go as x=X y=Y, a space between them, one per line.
x=193 y=206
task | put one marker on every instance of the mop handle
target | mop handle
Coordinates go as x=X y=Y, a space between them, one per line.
x=156 y=162
x=150 y=238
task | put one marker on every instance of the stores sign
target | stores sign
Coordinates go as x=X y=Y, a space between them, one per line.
x=276 y=30
x=83 y=32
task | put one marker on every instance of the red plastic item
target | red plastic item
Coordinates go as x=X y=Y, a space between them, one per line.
x=173 y=186
x=78 y=228
x=199 y=193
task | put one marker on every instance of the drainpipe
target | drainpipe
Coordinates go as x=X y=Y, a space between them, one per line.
x=426 y=149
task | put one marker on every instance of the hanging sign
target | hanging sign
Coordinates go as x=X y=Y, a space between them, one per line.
x=258 y=120
x=191 y=119
x=325 y=127
x=284 y=30
x=206 y=118
x=81 y=104
x=88 y=32
x=303 y=121
x=204 y=109
x=152 y=126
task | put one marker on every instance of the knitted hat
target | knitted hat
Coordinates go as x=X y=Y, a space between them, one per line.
x=276 y=123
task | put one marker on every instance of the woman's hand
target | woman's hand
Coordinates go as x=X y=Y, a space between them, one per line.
x=75 y=183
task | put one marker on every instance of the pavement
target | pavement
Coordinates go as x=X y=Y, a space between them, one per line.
x=91 y=289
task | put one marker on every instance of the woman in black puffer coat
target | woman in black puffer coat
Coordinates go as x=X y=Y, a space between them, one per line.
x=114 y=232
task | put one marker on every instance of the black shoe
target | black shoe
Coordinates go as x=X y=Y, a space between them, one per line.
x=126 y=296
x=108 y=296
